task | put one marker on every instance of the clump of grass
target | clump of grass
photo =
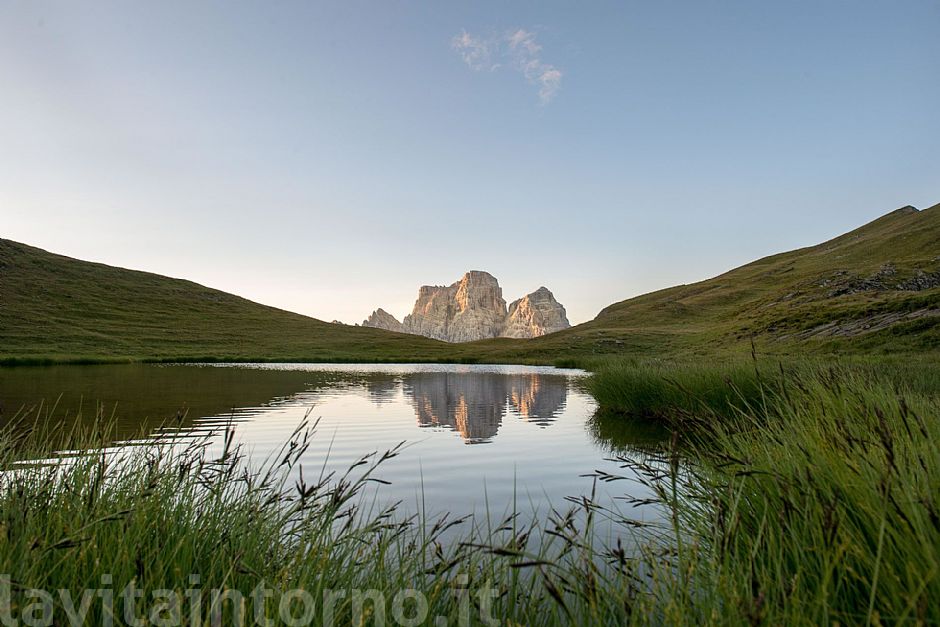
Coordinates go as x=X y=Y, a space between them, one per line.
x=678 y=390
x=849 y=470
x=818 y=506
x=665 y=389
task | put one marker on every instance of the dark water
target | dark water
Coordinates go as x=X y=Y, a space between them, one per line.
x=478 y=438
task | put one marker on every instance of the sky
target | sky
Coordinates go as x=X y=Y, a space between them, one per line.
x=330 y=157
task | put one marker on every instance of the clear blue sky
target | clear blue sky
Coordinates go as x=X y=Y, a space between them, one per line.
x=330 y=157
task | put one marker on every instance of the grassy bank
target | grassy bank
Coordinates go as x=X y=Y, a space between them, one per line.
x=822 y=507
x=810 y=498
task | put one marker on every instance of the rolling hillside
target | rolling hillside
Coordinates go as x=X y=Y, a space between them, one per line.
x=876 y=288
x=58 y=308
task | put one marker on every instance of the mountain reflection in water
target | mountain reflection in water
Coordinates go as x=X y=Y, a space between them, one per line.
x=475 y=404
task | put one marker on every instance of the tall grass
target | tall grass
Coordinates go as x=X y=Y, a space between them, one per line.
x=76 y=514
x=801 y=495
x=813 y=492
x=660 y=389
x=670 y=389
x=827 y=506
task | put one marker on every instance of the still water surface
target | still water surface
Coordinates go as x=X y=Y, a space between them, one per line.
x=479 y=439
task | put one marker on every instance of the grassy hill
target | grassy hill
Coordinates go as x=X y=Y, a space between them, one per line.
x=58 y=308
x=876 y=288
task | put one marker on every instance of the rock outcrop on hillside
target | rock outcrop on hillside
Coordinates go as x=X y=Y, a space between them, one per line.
x=381 y=319
x=473 y=308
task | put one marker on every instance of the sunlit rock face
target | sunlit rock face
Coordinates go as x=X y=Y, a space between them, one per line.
x=473 y=309
x=381 y=319
x=535 y=314
x=432 y=312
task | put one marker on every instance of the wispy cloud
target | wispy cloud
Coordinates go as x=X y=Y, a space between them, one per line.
x=516 y=49
x=476 y=52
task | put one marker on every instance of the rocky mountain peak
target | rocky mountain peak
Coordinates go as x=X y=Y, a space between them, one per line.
x=473 y=308
x=535 y=314
x=479 y=290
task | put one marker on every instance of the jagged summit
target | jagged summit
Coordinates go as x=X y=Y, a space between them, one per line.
x=535 y=314
x=472 y=309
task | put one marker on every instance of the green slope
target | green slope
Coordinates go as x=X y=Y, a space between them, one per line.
x=58 y=308
x=876 y=288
